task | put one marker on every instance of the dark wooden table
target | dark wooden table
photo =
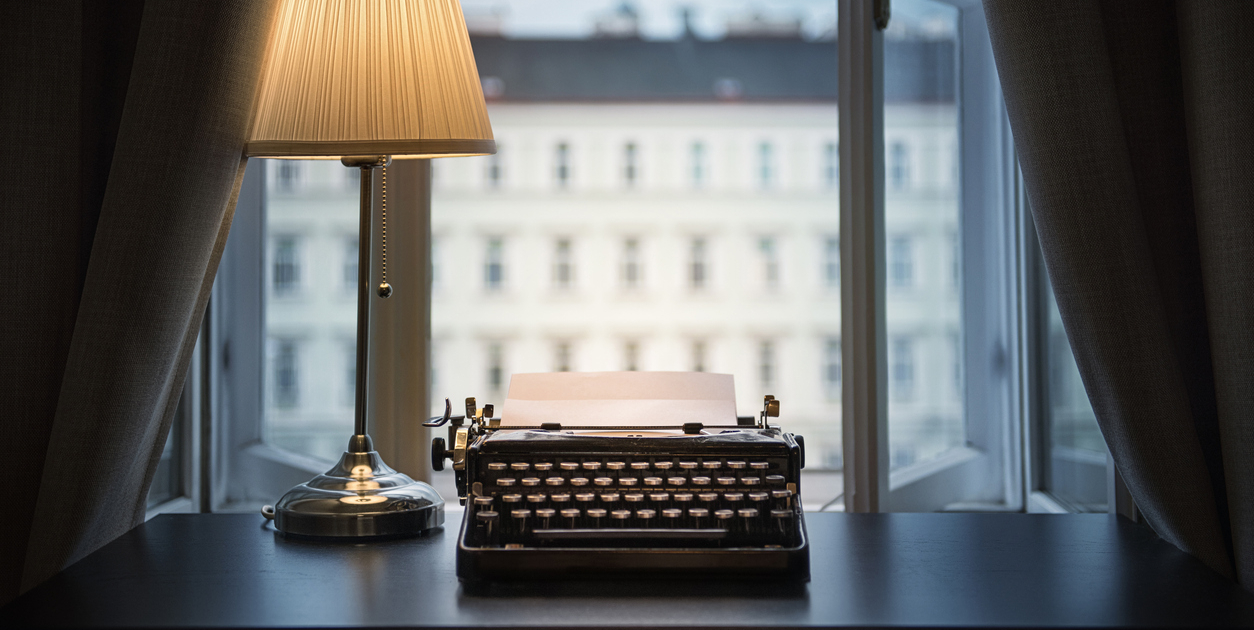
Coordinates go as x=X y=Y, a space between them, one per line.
x=867 y=570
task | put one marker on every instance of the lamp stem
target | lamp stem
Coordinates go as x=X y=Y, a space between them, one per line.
x=363 y=300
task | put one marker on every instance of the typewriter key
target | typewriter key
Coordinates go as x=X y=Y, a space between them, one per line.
x=708 y=465
x=519 y=466
x=671 y=516
x=758 y=497
x=748 y=520
x=700 y=481
x=707 y=497
x=603 y=481
x=734 y=497
x=489 y=523
x=585 y=497
x=726 y=481
x=676 y=481
x=688 y=465
x=683 y=497
x=633 y=498
x=747 y=513
x=610 y=498
x=543 y=466
x=775 y=480
x=722 y=518
x=537 y=499
x=698 y=516
x=783 y=522
x=663 y=465
x=579 y=481
x=659 y=497
x=640 y=465
x=652 y=481
x=505 y=482
x=783 y=498
x=627 y=481
x=759 y=465
x=570 y=517
x=559 y=499
x=554 y=481
x=615 y=465
x=751 y=481
x=497 y=466
x=511 y=498
x=646 y=517
x=620 y=517
x=531 y=482
x=595 y=517
x=544 y=518
x=592 y=465
x=568 y=466
x=519 y=526
x=483 y=502
x=737 y=465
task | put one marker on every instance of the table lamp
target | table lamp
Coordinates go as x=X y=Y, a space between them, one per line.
x=365 y=81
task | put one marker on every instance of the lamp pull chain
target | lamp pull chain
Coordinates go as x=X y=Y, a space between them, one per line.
x=385 y=289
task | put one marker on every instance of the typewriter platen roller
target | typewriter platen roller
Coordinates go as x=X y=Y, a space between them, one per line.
x=562 y=501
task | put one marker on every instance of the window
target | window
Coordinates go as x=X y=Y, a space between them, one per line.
x=632 y=274
x=698 y=356
x=899 y=171
x=901 y=385
x=831 y=368
x=697 y=264
x=831 y=262
x=631 y=356
x=901 y=262
x=286 y=277
x=561 y=356
x=496 y=366
x=561 y=162
x=563 y=265
x=698 y=164
x=766 y=171
x=352 y=180
x=288 y=175
x=831 y=166
x=348 y=267
x=766 y=365
x=494 y=175
x=629 y=165
x=286 y=375
x=770 y=262
x=494 y=264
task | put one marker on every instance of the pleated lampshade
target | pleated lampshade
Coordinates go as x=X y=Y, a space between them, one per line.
x=370 y=77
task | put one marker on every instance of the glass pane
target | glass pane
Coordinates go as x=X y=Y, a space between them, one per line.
x=1075 y=468
x=311 y=305
x=923 y=248
x=664 y=197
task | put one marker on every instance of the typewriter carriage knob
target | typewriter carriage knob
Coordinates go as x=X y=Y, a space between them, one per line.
x=439 y=453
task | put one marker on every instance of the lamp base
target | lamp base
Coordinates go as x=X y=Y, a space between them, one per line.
x=360 y=497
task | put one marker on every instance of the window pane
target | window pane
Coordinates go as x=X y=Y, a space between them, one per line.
x=925 y=409
x=724 y=255
x=311 y=305
x=1075 y=466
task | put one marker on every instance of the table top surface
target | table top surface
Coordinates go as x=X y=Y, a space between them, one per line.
x=896 y=570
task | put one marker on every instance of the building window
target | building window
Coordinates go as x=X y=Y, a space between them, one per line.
x=899 y=166
x=348 y=270
x=288 y=174
x=831 y=166
x=561 y=160
x=631 y=356
x=496 y=366
x=494 y=264
x=831 y=368
x=698 y=356
x=630 y=168
x=286 y=278
x=901 y=383
x=831 y=262
x=563 y=265
x=494 y=169
x=698 y=272
x=632 y=274
x=698 y=165
x=352 y=179
x=561 y=356
x=766 y=364
x=901 y=262
x=766 y=170
x=286 y=375
x=770 y=262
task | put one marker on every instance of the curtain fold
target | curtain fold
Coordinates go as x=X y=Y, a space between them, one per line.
x=1133 y=123
x=128 y=142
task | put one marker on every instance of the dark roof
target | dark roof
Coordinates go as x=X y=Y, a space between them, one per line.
x=688 y=69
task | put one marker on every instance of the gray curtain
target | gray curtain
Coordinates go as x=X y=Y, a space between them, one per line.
x=1134 y=123
x=123 y=126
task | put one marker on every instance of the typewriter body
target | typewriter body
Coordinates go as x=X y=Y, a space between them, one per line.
x=574 y=501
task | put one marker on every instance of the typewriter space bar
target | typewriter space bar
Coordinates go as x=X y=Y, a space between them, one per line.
x=634 y=534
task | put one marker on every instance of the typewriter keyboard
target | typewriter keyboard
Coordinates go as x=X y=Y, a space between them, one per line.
x=666 y=502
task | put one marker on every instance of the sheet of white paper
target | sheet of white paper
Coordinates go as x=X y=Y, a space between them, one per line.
x=604 y=399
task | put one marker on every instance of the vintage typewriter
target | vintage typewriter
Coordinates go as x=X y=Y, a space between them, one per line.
x=564 y=500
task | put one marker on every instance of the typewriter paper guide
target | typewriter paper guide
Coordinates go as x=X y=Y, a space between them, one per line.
x=607 y=399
